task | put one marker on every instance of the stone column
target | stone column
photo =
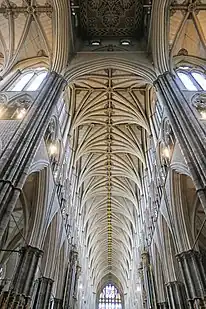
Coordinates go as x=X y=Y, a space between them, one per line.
x=57 y=304
x=20 y=289
x=70 y=281
x=187 y=128
x=43 y=289
x=163 y=305
x=176 y=295
x=194 y=277
x=148 y=281
x=77 y=274
x=141 y=276
x=16 y=159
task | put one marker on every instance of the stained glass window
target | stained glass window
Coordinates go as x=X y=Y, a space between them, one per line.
x=110 y=298
x=187 y=82
x=36 y=82
x=29 y=81
x=200 y=78
x=21 y=83
x=192 y=79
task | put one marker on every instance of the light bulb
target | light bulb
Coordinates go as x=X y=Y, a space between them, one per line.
x=95 y=42
x=125 y=42
x=138 y=288
x=166 y=152
x=203 y=114
x=53 y=149
x=21 y=113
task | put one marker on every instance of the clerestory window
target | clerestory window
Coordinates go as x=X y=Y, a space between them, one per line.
x=29 y=80
x=192 y=79
x=110 y=298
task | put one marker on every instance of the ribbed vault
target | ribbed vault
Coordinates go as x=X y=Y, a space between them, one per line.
x=187 y=31
x=25 y=30
x=108 y=124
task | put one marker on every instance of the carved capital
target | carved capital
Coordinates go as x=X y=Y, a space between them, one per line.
x=199 y=102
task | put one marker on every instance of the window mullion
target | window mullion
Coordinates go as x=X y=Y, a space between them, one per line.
x=186 y=80
x=194 y=81
x=29 y=82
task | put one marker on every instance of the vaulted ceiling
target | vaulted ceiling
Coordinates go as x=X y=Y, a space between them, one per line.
x=109 y=122
x=27 y=27
x=25 y=30
x=187 y=33
x=108 y=114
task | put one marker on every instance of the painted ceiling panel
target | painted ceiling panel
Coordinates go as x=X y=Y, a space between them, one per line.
x=105 y=18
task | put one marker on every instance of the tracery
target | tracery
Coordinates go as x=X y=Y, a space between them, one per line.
x=110 y=298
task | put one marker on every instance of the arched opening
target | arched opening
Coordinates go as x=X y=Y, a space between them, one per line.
x=193 y=79
x=16 y=233
x=110 y=297
x=200 y=230
x=29 y=80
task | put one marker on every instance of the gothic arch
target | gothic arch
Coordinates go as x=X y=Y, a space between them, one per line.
x=159 y=275
x=169 y=250
x=199 y=228
x=103 y=283
x=35 y=62
x=189 y=60
x=51 y=247
x=20 y=228
x=60 y=271
x=38 y=212
x=183 y=197
x=145 y=70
